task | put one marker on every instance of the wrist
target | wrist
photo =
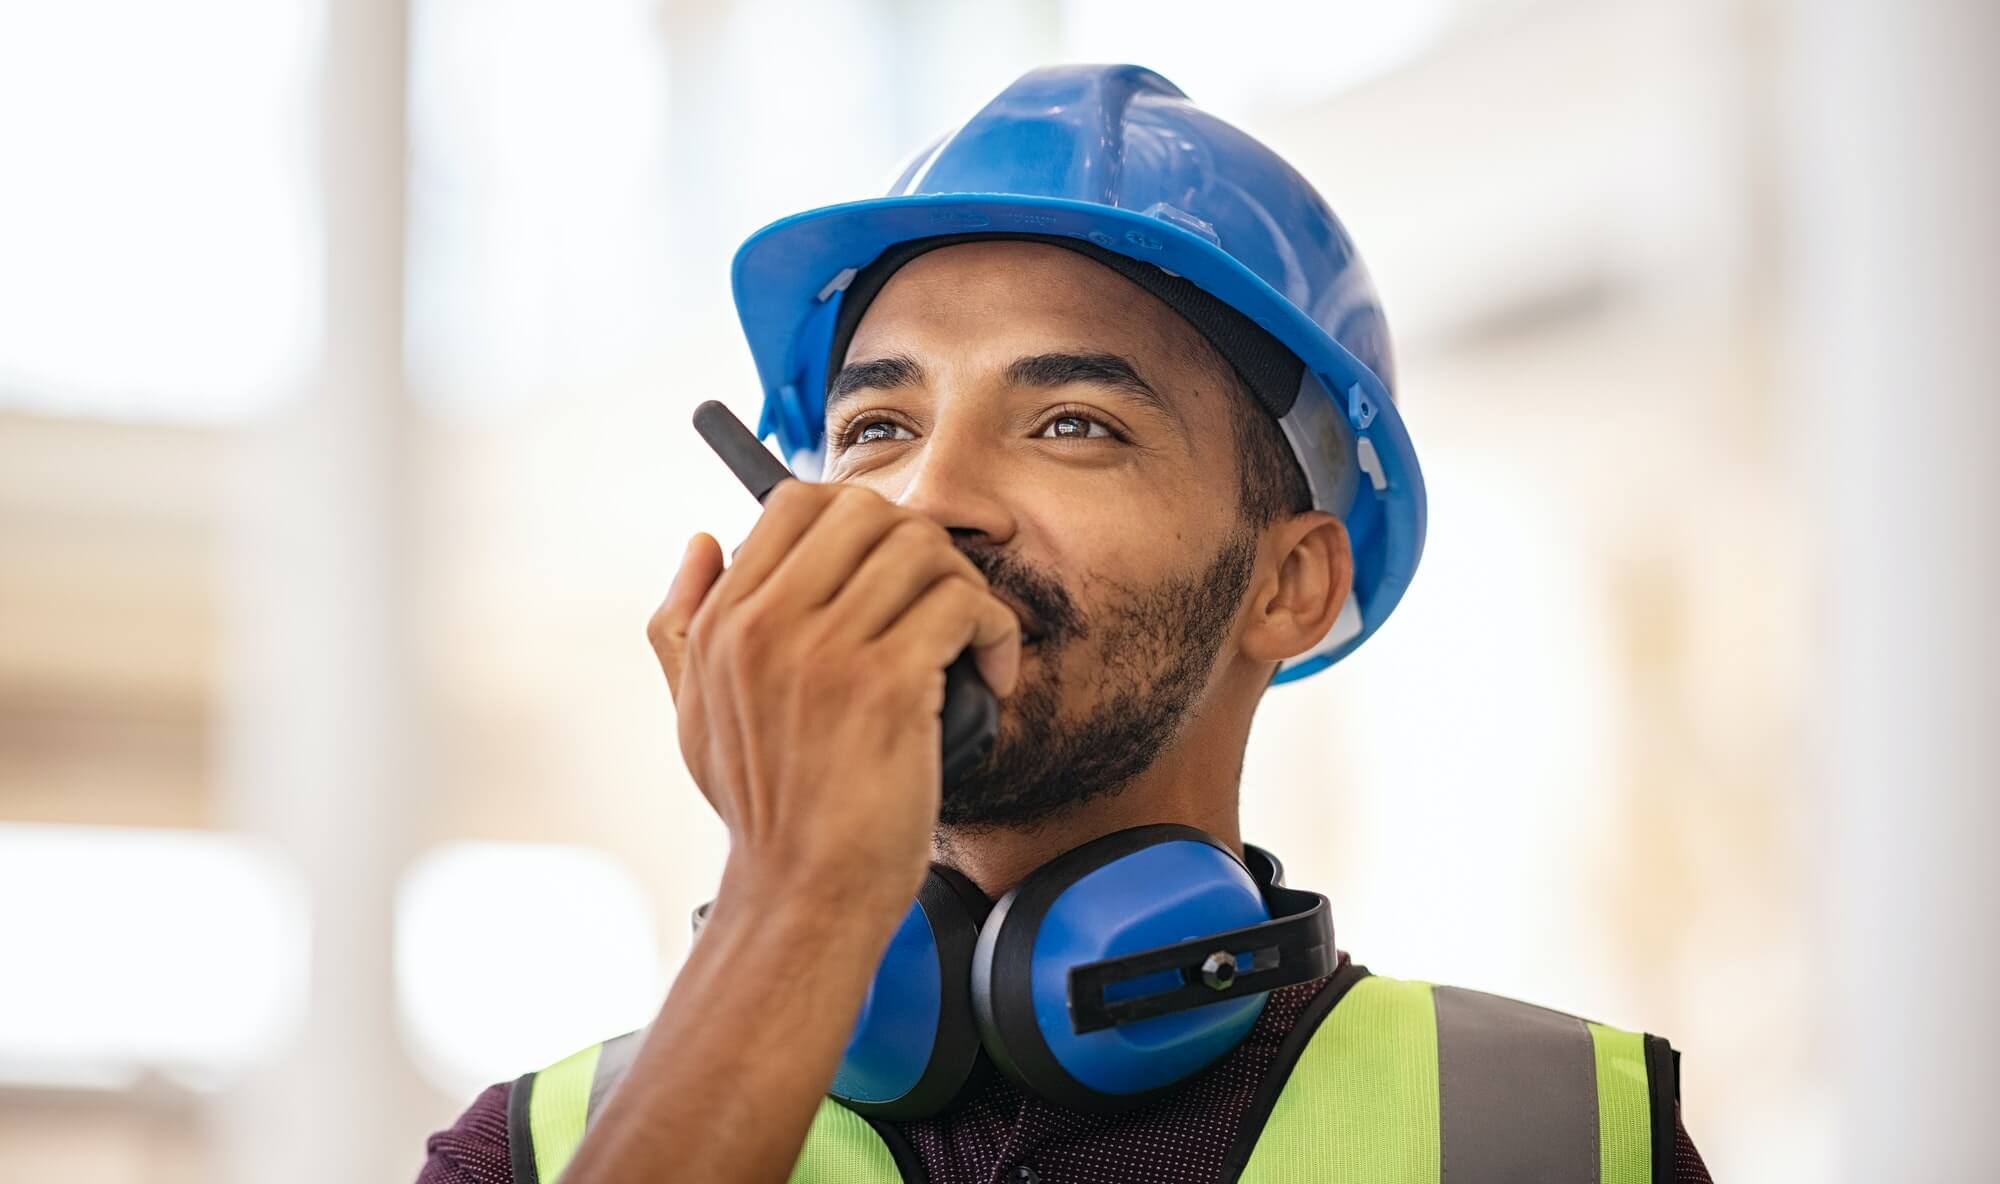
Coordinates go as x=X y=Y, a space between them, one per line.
x=842 y=899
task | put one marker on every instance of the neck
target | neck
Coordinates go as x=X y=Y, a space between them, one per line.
x=1194 y=783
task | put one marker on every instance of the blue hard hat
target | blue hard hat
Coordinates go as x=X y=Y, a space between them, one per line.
x=1117 y=156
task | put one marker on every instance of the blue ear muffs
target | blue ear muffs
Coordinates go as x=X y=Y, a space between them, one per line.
x=1128 y=965
x=1108 y=976
x=914 y=1048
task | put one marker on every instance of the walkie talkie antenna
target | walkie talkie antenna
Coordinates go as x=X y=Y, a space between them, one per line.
x=740 y=449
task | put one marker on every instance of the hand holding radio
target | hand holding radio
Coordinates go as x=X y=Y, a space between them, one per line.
x=810 y=674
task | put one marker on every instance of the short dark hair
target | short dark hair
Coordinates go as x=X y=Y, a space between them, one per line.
x=1270 y=484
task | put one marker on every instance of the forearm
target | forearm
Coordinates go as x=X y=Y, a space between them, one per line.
x=728 y=1079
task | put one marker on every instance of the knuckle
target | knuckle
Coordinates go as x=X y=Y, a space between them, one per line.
x=946 y=595
x=791 y=494
x=794 y=501
x=659 y=629
x=751 y=632
x=855 y=498
x=962 y=594
x=701 y=629
x=942 y=605
x=854 y=505
x=919 y=534
x=825 y=654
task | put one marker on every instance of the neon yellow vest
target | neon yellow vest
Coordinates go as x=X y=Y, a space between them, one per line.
x=1381 y=1082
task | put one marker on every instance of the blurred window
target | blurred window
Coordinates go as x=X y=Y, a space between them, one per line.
x=540 y=218
x=512 y=955
x=182 y=955
x=158 y=229
x=1265 y=53
x=131 y=953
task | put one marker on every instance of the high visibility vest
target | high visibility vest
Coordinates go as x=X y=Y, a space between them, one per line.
x=1381 y=1081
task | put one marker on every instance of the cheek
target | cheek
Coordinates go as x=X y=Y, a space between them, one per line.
x=1099 y=539
x=883 y=479
x=1141 y=527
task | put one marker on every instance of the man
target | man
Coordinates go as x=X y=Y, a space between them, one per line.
x=1101 y=394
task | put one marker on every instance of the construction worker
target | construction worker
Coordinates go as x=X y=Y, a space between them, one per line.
x=1101 y=394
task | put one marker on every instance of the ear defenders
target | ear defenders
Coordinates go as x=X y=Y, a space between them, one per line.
x=1107 y=977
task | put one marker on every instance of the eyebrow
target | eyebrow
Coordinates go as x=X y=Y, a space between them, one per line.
x=882 y=374
x=1036 y=370
x=1109 y=370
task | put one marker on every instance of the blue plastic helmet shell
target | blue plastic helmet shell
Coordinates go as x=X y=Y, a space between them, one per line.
x=1118 y=156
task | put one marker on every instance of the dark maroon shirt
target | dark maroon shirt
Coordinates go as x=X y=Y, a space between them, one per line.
x=1182 y=1138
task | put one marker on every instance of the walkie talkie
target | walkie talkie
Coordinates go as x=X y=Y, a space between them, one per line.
x=971 y=716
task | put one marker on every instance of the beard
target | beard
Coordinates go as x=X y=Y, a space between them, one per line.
x=1156 y=647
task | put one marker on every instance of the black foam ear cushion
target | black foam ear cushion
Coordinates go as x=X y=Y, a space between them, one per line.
x=955 y=908
x=975 y=902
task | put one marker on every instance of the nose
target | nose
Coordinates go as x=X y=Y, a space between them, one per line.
x=957 y=484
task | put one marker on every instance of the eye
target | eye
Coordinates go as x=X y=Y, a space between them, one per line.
x=1072 y=426
x=865 y=431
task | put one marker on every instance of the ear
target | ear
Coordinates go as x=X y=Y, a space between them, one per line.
x=1305 y=585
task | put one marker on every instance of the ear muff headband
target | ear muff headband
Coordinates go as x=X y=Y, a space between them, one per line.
x=1293 y=947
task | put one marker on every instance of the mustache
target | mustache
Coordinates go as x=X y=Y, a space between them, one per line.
x=1052 y=611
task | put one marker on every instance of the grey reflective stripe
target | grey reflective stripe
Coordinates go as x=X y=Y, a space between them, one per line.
x=614 y=1059
x=1517 y=1092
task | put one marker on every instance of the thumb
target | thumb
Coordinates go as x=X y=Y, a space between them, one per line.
x=701 y=563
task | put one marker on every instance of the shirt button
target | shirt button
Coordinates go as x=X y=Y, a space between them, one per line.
x=1023 y=1174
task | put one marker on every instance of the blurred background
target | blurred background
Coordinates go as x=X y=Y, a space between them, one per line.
x=346 y=354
